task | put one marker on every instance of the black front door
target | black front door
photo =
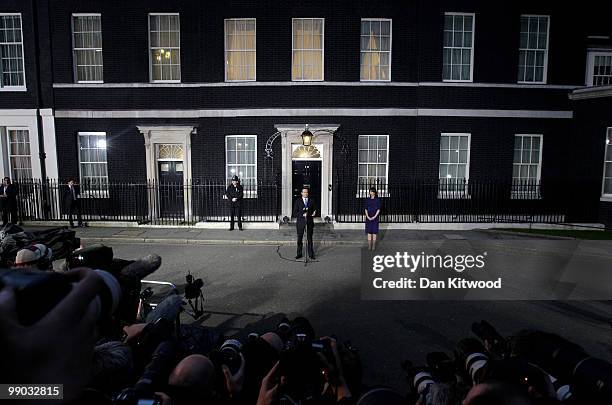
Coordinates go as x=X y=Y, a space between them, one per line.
x=171 y=190
x=307 y=173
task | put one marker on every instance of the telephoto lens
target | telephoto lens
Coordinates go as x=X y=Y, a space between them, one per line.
x=230 y=350
x=38 y=291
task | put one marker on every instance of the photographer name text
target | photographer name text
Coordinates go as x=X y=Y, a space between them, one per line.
x=426 y=283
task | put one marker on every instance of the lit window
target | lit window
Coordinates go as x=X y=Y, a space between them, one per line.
x=19 y=154
x=240 y=49
x=87 y=48
x=375 y=49
x=533 y=51
x=458 y=55
x=241 y=161
x=373 y=160
x=12 y=75
x=307 y=59
x=454 y=165
x=165 y=51
x=93 y=163
x=527 y=166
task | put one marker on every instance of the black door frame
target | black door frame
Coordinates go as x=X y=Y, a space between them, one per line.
x=317 y=197
x=179 y=210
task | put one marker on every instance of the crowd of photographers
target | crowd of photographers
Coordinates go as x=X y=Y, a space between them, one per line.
x=81 y=327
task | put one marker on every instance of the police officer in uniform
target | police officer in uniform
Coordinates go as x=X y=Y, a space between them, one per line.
x=234 y=195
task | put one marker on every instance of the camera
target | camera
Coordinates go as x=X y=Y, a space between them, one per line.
x=439 y=368
x=38 y=291
x=228 y=354
x=193 y=289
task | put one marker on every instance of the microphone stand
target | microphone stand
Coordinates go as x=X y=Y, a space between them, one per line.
x=307 y=252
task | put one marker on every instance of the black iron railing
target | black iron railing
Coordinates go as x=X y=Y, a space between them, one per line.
x=451 y=200
x=414 y=200
x=149 y=202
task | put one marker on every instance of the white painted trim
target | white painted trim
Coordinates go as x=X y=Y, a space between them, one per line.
x=74 y=58
x=390 y=49
x=19 y=113
x=251 y=193
x=322 y=49
x=291 y=134
x=23 y=87
x=473 y=47
x=299 y=112
x=32 y=130
x=591 y=92
x=225 y=48
x=164 y=134
x=591 y=54
x=90 y=193
x=541 y=136
x=464 y=194
x=318 y=83
x=545 y=67
x=603 y=176
x=359 y=190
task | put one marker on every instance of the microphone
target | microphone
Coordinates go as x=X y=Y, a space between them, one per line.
x=139 y=269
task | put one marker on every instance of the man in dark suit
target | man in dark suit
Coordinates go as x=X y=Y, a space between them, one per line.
x=8 y=201
x=304 y=209
x=72 y=200
x=234 y=194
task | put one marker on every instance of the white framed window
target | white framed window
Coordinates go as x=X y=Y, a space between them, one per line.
x=307 y=49
x=606 y=188
x=375 y=49
x=458 y=57
x=373 y=161
x=454 y=165
x=599 y=68
x=93 y=166
x=12 y=72
x=87 y=48
x=20 y=156
x=527 y=166
x=241 y=161
x=165 y=47
x=240 y=49
x=533 y=49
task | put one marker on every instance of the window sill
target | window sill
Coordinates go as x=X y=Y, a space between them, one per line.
x=90 y=82
x=454 y=196
x=364 y=194
x=14 y=88
x=244 y=196
x=164 y=81
x=240 y=81
x=457 y=81
x=519 y=82
x=86 y=195
x=525 y=196
x=375 y=81
x=606 y=198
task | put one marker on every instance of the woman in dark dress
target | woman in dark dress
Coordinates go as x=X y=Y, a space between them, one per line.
x=372 y=213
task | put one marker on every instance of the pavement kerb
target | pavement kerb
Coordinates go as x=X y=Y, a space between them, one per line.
x=178 y=241
x=528 y=235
